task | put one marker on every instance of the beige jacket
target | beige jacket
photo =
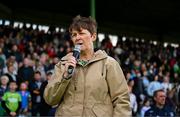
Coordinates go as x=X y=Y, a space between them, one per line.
x=98 y=89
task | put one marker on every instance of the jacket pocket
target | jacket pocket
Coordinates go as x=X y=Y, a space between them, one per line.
x=102 y=110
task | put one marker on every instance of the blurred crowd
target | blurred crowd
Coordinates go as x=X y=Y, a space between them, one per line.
x=28 y=56
x=149 y=68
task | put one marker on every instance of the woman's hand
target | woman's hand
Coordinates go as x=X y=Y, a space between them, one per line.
x=68 y=61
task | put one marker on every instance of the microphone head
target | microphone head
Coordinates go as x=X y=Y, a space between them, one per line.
x=77 y=48
x=76 y=54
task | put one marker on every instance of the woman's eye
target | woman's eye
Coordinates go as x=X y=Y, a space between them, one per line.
x=73 y=35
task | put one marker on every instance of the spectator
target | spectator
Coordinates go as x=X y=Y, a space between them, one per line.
x=2 y=61
x=153 y=86
x=26 y=99
x=45 y=108
x=159 y=108
x=133 y=101
x=167 y=86
x=11 y=74
x=26 y=71
x=3 y=85
x=3 y=88
x=16 y=53
x=145 y=107
x=34 y=88
x=11 y=100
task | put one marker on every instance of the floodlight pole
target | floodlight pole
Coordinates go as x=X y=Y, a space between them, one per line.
x=93 y=9
x=93 y=15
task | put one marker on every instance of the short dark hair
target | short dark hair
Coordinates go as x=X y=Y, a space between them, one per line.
x=155 y=92
x=37 y=72
x=87 y=23
x=49 y=73
x=13 y=82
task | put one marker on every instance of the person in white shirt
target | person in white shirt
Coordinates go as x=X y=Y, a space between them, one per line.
x=146 y=106
x=153 y=86
x=133 y=101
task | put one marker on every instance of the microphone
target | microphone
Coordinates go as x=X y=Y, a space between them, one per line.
x=76 y=54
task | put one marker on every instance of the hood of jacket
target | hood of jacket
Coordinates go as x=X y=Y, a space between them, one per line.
x=98 y=55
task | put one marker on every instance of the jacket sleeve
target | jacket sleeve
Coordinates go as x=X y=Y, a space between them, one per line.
x=56 y=87
x=118 y=89
x=3 y=103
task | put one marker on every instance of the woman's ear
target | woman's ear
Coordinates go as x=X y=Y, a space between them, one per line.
x=94 y=36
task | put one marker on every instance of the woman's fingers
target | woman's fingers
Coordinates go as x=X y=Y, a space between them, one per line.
x=69 y=61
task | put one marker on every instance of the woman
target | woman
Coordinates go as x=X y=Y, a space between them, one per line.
x=97 y=87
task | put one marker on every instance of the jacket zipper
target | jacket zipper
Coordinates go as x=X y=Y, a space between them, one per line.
x=85 y=73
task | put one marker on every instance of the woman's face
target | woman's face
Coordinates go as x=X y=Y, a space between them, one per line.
x=23 y=86
x=4 y=81
x=11 y=69
x=83 y=38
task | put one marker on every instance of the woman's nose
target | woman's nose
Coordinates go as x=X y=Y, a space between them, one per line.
x=78 y=36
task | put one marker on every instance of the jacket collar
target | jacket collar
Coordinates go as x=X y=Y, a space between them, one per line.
x=98 y=55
